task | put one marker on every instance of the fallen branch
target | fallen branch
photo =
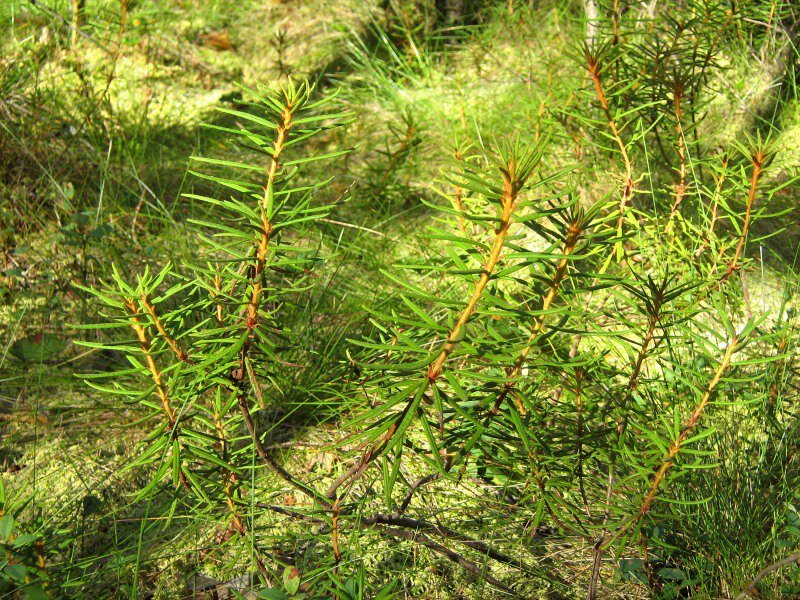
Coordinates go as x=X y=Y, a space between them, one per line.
x=451 y=555
x=751 y=587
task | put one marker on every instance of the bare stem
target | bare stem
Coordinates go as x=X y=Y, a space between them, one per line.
x=748 y=589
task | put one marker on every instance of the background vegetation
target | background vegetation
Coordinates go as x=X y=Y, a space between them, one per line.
x=501 y=303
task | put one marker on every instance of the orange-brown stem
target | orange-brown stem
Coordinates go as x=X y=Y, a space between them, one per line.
x=758 y=161
x=262 y=248
x=638 y=364
x=680 y=185
x=218 y=312
x=513 y=372
x=627 y=190
x=396 y=156
x=688 y=426
x=173 y=345
x=733 y=265
x=458 y=201
x=145 y=344
x=140 y=329
x=239 y=376
x=570 y=242
x=669 y=458
x=508 y=200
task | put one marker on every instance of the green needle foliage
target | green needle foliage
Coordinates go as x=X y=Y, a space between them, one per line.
x=201 y=340
x=576 y=352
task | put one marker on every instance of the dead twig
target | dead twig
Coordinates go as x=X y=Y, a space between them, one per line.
x=751 y=587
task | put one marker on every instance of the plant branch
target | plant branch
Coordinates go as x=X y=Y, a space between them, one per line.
x=689 y=425
x=594 y=68
x=173 y=345
x=239 y=376
x=146 y=346
x=511 y=188
x=450 y=554
x=751 y=587
x=667 y=462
